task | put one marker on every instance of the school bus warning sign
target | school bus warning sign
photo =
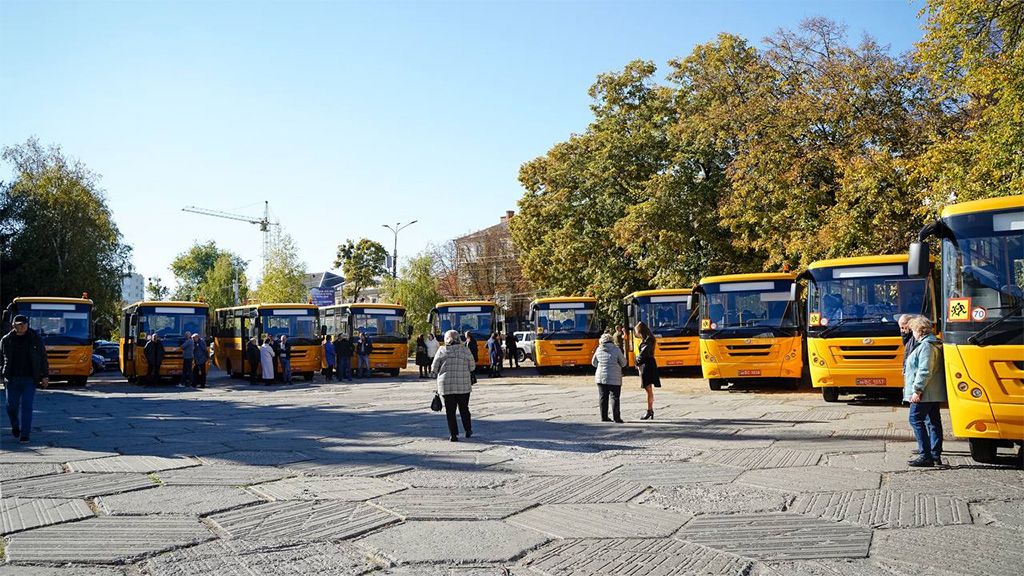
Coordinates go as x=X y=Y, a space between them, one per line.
x=958 y=310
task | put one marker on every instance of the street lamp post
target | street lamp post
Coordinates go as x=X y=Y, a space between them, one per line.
x=398 y=227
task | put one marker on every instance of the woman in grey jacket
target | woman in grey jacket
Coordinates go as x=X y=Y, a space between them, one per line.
x=609 y=361
x=924 y=387
x=454 y=368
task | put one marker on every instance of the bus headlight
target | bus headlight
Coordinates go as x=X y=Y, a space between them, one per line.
x=976 y=392
x=962 y=386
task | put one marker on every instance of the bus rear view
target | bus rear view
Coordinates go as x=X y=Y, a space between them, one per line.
x=750 y=329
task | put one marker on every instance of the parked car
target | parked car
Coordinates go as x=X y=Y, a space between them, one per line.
x=97 y=363
x=110 y=352
x=524 y=345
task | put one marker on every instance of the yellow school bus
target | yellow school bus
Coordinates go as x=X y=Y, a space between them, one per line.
x=567 y=331
x=480 y=317
x=672 y=317
x=168 y=319
x=65 y=324
x=983 y=325
x=853 y=340
x=750 y=328
x=300 y=322
x=383 y=324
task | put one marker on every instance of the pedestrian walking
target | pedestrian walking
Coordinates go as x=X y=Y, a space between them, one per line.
x=267 y=361
x=24 y=366
x=472 y=347
x=330 y=358
x=432 y=346
x=512 y=349
x=188 y=354
x=284 y=355
x=202 y=358
x=422 y=359
x=344 y=350
x=364 y=347
x=609 y=361
x=154 y=353
x=454 y=368
x=924 y=387
x=647 y=365
x=494 y=355
x=252 y=356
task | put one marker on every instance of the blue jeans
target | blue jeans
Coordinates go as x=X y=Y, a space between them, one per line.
x=345 y=368
x=21 y=393
x=286 y=369
x=186 y=371
x=926 y=421
x=364 y=365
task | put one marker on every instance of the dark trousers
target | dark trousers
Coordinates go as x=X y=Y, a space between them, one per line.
x=254 y=372
x=345 y=368
x=604 y=391
x=513 y=356
x=926 y=421
x=329 y=372
x=186 y=371
x=21 y=393
x=152 y=373
x=199 y=374
x=460 y=401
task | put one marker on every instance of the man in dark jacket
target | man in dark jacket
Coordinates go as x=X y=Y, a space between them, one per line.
x=512 y=349
x=202 y=357
x=364 y=347
x=344 y=350
x=23 y=358
x=154 y=352
x=909 y=343
x=252 y=358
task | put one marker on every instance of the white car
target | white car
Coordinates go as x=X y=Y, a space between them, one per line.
x=524 y=345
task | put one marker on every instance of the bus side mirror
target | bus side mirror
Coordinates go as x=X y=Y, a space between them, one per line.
x=918 y=260
x=793 y=289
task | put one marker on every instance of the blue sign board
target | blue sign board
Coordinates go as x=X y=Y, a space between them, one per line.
x=322 y=296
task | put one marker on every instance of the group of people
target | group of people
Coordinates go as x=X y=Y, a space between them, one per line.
x=924 y=387
x=427 y=347
x=338 y=357
x=195 y=358
x=609 y=360
x=270 y=361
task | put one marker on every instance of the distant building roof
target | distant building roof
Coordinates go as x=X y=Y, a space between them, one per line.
x=500 y=228
x=323 y=280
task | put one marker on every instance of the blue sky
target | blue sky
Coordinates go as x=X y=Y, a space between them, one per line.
x=344 y=115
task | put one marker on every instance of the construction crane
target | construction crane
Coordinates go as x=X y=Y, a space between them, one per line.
x=264 y=223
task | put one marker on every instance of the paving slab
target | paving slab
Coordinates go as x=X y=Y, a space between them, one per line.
x=812 y=479
x=582 y=490
x=838 y=567
x=882 y=461
x=891 y=434
x=833 y=445
x=453 y=504
x=716 y=499
x=52 y=455
x=558 y=466
x=500 y=569
x=453 y=541
x=1005 y=514
x=222 y=475
x=612 y=557
x=106 y=539
x=884 y=508
x=455 y=460
x=454 y=478
x=140 y=464
x=961 y=550
x=77 y=485
x=967 y=484
x=297 y=521
x=329 y=468
x=25 y=470
x=600 y=521
x=810 y=415
x=778 y=536
x=761 y=458
x=677 y=473
x=191 y=500
x=18 y=514
x=65 y=570
x=245 y=558
x=348 y=488
x=256 y=457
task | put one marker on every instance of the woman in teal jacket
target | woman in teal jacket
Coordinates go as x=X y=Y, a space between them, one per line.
x=924 y=387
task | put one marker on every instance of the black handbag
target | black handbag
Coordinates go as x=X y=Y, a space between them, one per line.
x=435 y=404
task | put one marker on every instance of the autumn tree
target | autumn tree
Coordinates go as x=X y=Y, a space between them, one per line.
x=361 y=264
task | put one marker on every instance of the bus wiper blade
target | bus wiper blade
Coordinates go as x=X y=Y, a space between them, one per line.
x=828 y=330
x=976 y=338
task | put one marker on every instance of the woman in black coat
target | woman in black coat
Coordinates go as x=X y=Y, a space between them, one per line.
x=422 y=358
x=647 y=365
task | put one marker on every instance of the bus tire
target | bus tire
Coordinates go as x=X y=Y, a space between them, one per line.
x=830 y=393
x=983 y=450
x=716 y=384
x=394 y=372
x=308 y=376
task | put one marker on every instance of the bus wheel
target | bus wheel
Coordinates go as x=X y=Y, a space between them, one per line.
x=132 y=379
x=394 y=372
x=308 y=376
x=830 y=394
x=983 y=450
x=715 y=383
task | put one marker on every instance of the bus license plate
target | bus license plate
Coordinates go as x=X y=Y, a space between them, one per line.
x=750 y=372
x=674 y=363
x=55 y=371
x=380 y=365
x=568 y=362
x=870 y=381
x=174 y=372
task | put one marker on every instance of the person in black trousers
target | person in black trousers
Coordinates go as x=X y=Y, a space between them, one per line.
x=471 y=345
x=154 y=353
x=252 y=356
x=512 y=349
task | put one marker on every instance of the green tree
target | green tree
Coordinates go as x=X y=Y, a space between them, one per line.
x=61 y=239
x=225 y=284
x=416 y=289
x=361 y=264
x=155 y=289
x=283 y=274
x=972 y=54
x=192 y=267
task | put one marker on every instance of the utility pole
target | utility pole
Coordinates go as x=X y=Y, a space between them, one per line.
x=394 y=255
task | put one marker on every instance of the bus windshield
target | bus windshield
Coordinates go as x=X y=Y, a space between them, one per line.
x=983 y=276
x=766 y=304
x=862 y=298
x=171 y=323
x=299 y=324
x=567 y=319
x=380 y=324
x=59 y=324
x=668 y=315
x=476 y=319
